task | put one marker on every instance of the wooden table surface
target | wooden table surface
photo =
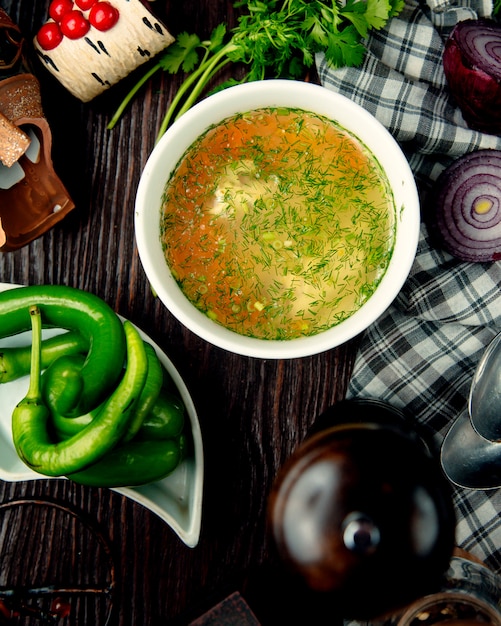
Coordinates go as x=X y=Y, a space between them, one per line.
x=103 y=558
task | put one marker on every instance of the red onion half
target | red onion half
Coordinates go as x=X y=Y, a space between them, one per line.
x=472 y=66
x=468 y=206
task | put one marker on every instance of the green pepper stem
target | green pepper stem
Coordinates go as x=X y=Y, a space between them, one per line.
x=34 y=389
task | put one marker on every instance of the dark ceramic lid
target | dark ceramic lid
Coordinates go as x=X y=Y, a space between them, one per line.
x=361 y=515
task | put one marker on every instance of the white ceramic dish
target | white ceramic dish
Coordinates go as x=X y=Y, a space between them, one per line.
x=177 y=499
x=242 y=98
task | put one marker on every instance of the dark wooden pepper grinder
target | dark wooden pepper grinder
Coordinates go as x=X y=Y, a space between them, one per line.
x=361 y=517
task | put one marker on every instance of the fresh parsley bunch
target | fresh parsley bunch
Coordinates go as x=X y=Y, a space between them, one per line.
x=274 y=39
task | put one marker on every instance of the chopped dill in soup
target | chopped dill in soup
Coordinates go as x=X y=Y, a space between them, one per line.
x=278 y=223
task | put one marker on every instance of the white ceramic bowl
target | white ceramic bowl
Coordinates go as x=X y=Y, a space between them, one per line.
x=246 y=97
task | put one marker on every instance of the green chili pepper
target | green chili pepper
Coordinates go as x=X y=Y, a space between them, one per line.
x=62 y=373
x=133 y=463
x=15 y=362
x=72 y=309
x=65 y=368
x=30 y=430
x=65 y=427
x=166 y=419
x=60 y=426
x=156 y=450
x=149 y=394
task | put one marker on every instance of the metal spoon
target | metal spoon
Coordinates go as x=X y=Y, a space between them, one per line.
x=469 y=458
x=485 y=393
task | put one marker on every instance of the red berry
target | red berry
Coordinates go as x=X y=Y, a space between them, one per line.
x=85 y=5
x=49 y=36
x=74 y=25
x=58 y=8
x=103 y=16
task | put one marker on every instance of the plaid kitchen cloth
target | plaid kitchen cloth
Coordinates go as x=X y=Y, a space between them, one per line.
x=421 y=354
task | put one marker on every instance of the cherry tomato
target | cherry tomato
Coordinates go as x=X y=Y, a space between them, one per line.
x=49 y=36
x=74 y=25
x=85 y=5
x=58 y=8
x=103 y=16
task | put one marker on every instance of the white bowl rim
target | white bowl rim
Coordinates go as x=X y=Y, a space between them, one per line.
x=246 y=97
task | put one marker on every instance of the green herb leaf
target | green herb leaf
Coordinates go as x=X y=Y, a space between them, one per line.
x=345 y=48
x=217 y=37
x=181 y=54
x=275 y=39
x=377 y=13
x=316 y=31
x=398 y=5
x=372 y=14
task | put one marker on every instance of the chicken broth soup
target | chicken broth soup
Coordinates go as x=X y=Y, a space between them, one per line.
x=278 y=223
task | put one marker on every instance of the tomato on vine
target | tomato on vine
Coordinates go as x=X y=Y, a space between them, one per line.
x=85 y=5
x=59 y=8
x=49 y=36
x=74 y=25
x=103 y=16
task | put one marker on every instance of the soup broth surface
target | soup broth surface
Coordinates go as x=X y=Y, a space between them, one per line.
x=278 y=223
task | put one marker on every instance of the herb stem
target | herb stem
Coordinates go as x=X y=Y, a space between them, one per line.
x=201 y=76
x=273 y=38
x=131 y=94
x=208 y=75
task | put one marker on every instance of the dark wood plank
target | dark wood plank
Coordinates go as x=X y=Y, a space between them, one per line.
x=253 y=413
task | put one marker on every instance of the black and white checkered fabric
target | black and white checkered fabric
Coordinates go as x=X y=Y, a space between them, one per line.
x=421 y=355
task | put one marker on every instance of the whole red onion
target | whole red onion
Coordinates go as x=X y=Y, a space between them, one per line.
x=472 y=66
x=467 y=206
